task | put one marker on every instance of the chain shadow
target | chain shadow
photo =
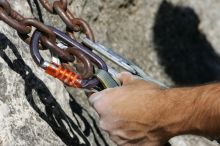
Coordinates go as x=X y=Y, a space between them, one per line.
x=184 y=51
x=75 y=107
x=61 y=124
x=79 y=110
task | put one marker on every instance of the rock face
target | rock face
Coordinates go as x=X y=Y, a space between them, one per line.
x=37 y=109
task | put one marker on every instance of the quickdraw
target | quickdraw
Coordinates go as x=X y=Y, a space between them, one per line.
x=90 y=71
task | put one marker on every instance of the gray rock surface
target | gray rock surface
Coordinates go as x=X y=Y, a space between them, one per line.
x=124 y=25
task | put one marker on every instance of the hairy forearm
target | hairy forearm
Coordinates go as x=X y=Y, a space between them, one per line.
x=141 y=113
x=199 y=109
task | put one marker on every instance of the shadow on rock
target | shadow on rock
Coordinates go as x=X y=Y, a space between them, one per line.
x=68 y=131
x=39 y=12
x=79 y=110
x=184 y=51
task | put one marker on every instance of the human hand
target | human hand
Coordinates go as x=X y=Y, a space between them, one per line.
x=139 y=113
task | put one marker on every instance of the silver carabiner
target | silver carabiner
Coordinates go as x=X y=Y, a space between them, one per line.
x=109 y=54
x=120 y=61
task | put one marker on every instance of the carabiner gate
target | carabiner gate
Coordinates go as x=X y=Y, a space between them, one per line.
x=57 y=71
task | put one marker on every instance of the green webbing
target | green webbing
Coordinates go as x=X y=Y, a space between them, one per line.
x=106 y=79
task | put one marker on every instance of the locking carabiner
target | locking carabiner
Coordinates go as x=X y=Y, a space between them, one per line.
x=57 y=71
x=69 y=77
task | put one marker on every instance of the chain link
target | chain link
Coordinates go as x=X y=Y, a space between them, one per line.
x=50 y=7
x=48 y=37
x=73 y=24
x=12 y=18
x=24 y=27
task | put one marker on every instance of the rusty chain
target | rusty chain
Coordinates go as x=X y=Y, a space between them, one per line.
x=24 y=27
x=49 y=7
x=73 y=24
x=47 y=36
x=95 y=73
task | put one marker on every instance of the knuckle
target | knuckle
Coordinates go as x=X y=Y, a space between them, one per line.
x=102 y=108
x=96 y=96
x=98 y=106
x=103 y=125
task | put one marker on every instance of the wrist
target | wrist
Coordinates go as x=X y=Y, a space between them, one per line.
x=180 y=114
x=207 y=110
x=194 y=110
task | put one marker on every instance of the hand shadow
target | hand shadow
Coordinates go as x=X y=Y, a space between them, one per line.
x=184 y=51
x=188 y=57
x=54 y=115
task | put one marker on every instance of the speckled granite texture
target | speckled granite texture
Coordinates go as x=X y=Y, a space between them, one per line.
x=36 y=109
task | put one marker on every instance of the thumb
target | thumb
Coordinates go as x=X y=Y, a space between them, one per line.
x=125 y=77
x=154 y=144
x=157 y=143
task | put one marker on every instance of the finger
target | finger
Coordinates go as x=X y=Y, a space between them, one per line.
x=119 y=141
x=130 y=134
x=97 y=96
x=156 y=143
x=125 y=77
x=108 y=124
